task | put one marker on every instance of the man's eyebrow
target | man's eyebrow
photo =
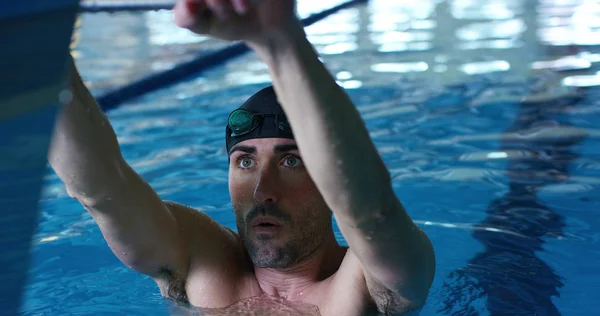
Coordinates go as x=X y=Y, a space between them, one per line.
x=246 y=149
x=284 y=148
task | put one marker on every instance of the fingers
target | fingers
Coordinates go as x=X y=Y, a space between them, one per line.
x=241 y=6
x=195 y=6
x=223 y=9
x=199 y=16
x=187 y=12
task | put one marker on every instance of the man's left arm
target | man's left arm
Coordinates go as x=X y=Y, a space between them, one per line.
x=396 y=256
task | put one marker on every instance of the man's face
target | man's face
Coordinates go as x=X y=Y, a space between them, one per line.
x=281 y=216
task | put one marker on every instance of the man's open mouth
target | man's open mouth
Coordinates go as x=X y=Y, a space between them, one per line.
x=265 y=222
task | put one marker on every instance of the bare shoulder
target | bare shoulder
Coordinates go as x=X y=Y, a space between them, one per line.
x=216 y=260
x=207 y=241
x=190 y=220
x=345 y=292
x=350 y=293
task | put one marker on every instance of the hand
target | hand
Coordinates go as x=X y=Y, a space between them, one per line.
x=247 y=20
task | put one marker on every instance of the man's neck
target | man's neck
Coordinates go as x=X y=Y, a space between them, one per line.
x=291 y=282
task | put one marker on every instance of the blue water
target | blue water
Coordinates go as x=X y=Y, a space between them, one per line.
x=495 y=155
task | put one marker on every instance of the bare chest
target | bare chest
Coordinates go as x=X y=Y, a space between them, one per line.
x=258 y=305
x=272 y=306
x=251 y=300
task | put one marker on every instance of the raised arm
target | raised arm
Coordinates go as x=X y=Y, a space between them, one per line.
x=139 y=228
x=395 y=256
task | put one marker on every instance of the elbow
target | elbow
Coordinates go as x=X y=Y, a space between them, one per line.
x=94 y=186
x=414 y=282
x=422 y=274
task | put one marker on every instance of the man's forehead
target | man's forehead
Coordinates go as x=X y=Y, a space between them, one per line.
x=267 y=144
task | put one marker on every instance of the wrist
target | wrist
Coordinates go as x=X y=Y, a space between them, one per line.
x=274 y=44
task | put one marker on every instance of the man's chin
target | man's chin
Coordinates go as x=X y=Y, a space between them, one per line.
x=270 y=258
x=271 y=252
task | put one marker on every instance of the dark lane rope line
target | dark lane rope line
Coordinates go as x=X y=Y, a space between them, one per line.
x=94 y=6
x=128 y=8
x=185 y=70
x=508 y=275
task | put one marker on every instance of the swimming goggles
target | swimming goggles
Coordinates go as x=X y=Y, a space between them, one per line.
x=242 y=122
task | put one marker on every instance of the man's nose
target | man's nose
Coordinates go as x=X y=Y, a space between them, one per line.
x=267 y=187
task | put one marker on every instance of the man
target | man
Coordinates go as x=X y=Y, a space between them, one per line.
x=287 y=176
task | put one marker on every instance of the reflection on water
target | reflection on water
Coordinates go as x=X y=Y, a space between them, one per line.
x=569 y=23
x=508 y=272
x=472 y=37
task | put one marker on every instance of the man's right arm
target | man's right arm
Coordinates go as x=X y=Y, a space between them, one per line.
x=139 y=228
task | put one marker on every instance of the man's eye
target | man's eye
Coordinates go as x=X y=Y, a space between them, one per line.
x=292 y=161
x=246 y=163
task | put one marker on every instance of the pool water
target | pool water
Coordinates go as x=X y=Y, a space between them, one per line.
x=483 y=112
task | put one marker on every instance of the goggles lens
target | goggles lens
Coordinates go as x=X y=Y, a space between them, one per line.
x=242 y=122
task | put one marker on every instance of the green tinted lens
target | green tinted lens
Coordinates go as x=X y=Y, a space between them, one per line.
x=240 y=121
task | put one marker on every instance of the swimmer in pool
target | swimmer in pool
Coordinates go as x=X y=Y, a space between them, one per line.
x=299 y=154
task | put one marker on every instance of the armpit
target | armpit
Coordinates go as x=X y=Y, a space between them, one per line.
x=388 y=302
x=175 y=287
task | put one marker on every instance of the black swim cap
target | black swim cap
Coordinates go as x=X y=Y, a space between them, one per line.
x=270 y=120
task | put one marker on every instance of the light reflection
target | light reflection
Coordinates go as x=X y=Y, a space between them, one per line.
x=560 y=2
x=585 y=9
x=416 y=9
x=351 y=84
x=388 y=26
x=306 y=8
x=401 y=47
x=416 y=36
x=325 y=39
x=327 y=28
x=163 y=31
x=397 y=26
x=338 y=48
x=483 y=67
x=390 y=17
x=569 y=23
x=497 y=155
x=587 y=15
x=441 y=59
x=589 y=56
x=554 y=21
x=343 y=22
x=389 y=112
x=158 y=65
x=561 y=64
x=248 y=77
x=400 y=67
x=582 y=81
x=440 y=68
x=557 y=11
x=47 y=239
x=466 y=10
x=563 y=36
x=257 y=66
x=491 y=44
x=504 y=29
x=141 y=124
x=493 y=155
x=344 y=75
x=423 y=24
